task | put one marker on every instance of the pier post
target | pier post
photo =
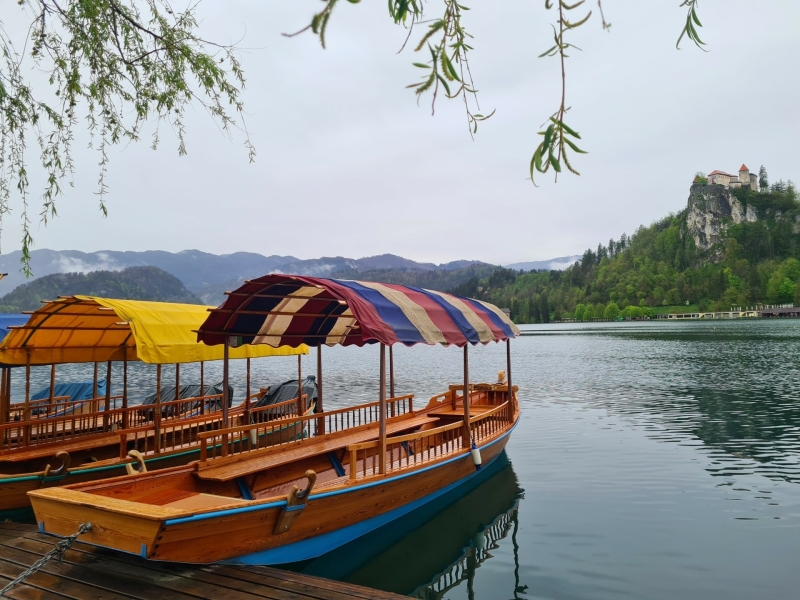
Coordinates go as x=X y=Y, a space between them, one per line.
x=382 y=398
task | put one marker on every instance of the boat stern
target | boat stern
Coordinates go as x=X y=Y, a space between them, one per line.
x=116 y=524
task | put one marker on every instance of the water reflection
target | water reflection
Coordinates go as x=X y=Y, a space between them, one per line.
x=437 y=547
x=727 y=388
x=463 y=570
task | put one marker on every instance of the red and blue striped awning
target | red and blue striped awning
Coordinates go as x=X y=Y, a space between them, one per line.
x=288 y=310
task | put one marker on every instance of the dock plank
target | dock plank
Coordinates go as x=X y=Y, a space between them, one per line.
x=97 y=573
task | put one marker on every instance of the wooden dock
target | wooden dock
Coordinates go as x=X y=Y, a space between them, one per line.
x=90 y=572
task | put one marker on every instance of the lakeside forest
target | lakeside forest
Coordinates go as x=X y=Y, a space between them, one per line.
x=660 y=268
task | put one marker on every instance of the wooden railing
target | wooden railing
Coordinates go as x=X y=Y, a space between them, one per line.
x=415 y=449
x=279 y=410
x=172 y=434
x=181 y=408
x=255 y=436
x=37 y=432
x=69 y=420
x=45 y=408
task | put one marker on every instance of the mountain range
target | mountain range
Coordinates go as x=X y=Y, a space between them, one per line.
x=208 y=275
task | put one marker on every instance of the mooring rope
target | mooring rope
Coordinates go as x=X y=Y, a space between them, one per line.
x=58 y=552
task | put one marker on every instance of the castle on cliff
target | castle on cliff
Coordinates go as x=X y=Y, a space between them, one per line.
x=745 y=179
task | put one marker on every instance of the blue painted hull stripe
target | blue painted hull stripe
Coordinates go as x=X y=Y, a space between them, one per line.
x=316 y=546
x=313 y=497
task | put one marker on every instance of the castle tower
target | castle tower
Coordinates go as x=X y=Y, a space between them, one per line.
x=744 y=176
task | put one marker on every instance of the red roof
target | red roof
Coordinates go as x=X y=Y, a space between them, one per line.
x=720 y=173
x=743 y=168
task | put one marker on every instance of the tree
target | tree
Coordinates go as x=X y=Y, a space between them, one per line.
x=763 y=181
x=700 y=178
x=544 y=307
x=537 y=317
x=115 y=65
x=612 y=311
x=119 y=64
x=786 y=291
x=579 y=310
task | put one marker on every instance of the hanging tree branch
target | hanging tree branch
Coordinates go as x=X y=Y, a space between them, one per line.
x=118 y=64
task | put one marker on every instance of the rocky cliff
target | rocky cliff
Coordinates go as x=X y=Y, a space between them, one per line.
x=711 y=210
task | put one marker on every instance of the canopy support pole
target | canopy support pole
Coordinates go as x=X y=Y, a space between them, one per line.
x=27 y=413
x=106 y=421
x=202 y=388
x=177 y=384
x=300 y=407
x=5 y=407
x=391 y=377
x=94 y=386
x=382 y=430
x=320 y=409
x=247 y=395
x=468 y=432
x=225 y=395
x=125 y=392
x=52 y=385
x=157 y=415
x=511 y=406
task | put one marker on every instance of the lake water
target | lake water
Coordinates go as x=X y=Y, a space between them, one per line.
x=652 y=460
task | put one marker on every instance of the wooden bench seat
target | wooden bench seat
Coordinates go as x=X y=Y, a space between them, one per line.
x=304 y=448
x=186 y=499
x=474 y=410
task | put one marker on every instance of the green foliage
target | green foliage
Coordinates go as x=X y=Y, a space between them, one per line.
x=133 y=283
x=580 y=309
x=611 y=311
x=700 y=178
x=763 y=180
x=114 y=65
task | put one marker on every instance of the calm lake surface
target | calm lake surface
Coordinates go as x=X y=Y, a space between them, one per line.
x=652 y=460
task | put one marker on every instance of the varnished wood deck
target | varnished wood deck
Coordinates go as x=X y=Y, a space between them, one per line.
x=90 y=572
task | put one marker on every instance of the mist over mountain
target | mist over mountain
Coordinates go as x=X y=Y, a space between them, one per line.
x=207 y=276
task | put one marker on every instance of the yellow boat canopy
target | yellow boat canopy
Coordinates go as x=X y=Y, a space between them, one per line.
x=82 y=329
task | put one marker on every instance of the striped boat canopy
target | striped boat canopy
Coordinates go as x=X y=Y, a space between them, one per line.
x=288 y=310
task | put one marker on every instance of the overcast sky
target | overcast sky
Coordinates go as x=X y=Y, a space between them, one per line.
x=348 y=164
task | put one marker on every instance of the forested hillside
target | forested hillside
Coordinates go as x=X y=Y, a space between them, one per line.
x=661 y=266
x=133 y=283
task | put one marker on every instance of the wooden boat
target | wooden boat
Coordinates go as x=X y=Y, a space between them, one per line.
x=51 y=442
x=357 y=468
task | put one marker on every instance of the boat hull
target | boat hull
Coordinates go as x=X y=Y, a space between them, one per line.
x=245 y=534
x=320 y=544
x=15 y=504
